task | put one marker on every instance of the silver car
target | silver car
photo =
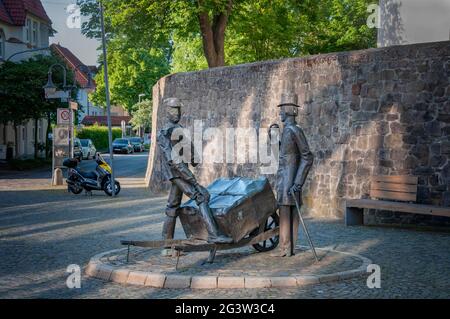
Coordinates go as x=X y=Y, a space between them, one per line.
x=88 y=149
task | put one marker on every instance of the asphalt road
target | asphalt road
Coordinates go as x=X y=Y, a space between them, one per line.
x=131 y=165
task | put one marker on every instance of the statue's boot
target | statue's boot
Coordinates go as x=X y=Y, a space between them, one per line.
x=211 y=226
x=168 y=233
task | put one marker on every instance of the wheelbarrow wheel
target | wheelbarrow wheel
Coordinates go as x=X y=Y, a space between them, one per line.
x=272 y=222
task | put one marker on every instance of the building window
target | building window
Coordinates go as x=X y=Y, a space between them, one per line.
x=35 y=32
x=28 y=31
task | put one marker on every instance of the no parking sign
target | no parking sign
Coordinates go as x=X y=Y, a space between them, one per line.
x=63 y=117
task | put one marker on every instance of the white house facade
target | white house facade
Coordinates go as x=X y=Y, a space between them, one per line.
x=24 y=25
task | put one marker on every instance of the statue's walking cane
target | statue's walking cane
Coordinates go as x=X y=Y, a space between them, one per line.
x=304 y=227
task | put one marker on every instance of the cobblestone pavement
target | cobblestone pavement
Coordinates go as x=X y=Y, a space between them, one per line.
x=44 y=231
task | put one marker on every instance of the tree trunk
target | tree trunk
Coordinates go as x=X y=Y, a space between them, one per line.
x=36 y=142
x=213 y=34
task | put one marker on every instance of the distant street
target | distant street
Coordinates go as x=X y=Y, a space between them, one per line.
x=125 y=166
x=132 y=165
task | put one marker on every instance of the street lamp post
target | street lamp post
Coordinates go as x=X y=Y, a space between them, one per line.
x=108 y=101
x=27 y=51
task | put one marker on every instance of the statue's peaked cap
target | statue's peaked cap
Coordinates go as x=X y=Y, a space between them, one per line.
x=172 y=102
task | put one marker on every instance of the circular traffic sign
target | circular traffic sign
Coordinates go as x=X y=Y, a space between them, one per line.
x=65 y=115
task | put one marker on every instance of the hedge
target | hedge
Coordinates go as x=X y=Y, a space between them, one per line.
x=98 y=135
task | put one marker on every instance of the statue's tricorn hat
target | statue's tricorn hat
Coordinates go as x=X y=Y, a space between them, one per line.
x=173 y=102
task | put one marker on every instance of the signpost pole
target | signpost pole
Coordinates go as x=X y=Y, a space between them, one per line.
x=108 y=102
x=53 y=155
x=72 y=137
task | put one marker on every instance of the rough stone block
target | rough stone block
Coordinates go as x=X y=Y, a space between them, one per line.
x=307 y=280
x=204 y=282
x=177 y=282
x=120 y=276
x=257 y=282
x=155 y=280
x=91 y=269
x=283 y=282
x=350 y=274
x=328 y=278
x=231 y=282
x=137 y=278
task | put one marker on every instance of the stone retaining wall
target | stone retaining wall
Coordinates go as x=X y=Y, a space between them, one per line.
x=370 y=112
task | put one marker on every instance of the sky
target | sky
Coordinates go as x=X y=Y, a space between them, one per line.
x=85 y=49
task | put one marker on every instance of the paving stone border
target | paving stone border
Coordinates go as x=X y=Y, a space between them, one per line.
x=100 y=270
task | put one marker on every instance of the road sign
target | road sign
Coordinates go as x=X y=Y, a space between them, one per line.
x=61 y=136
x=63 y=95
x=73 y=105
x=63 y=117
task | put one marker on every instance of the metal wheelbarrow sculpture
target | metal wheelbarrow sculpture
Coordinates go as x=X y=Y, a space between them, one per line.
x=244 y=209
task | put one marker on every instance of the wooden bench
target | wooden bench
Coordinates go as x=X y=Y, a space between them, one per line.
x=384 y=189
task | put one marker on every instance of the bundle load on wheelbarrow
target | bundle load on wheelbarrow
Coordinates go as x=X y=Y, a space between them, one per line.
x=244 y=209
x=239 y=205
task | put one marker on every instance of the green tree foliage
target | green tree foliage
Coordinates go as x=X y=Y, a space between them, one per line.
x=22 y=93
x=142 y=115
x=132 y=71
x=187 y=35
x=137 y=56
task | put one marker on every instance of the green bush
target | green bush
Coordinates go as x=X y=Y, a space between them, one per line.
x=98 y=135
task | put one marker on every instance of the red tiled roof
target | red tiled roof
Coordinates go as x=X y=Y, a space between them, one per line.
x=81 y=76
x=18 y=9
x=103 y=120
x=4 y=15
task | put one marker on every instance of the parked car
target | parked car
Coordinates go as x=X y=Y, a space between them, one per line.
x=77 y=152
x=138 y=144
x=88 y=148
x=122 y=145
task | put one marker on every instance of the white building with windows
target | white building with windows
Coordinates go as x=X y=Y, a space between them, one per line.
x=24 y=25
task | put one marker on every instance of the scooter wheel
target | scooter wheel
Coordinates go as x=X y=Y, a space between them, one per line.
x=107 y=188
x=75 y=190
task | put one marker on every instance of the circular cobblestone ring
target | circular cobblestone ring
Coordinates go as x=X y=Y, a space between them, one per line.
x=100 y=267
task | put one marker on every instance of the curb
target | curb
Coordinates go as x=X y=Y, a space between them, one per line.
x=97 y=269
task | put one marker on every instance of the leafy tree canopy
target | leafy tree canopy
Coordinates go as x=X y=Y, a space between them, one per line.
x=21 y=89
x=151 y=38
x=142 y=115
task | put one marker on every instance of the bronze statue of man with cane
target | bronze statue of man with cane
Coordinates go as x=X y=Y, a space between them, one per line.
x=295 y=161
